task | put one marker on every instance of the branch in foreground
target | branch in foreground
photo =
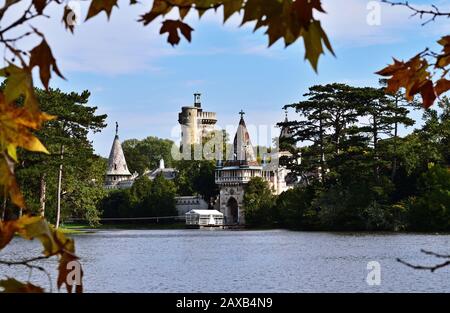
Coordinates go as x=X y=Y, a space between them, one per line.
x=434 y=12
x=430 y=268
x=28 y=264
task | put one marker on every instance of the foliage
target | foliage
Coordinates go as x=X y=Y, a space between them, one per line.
x=258 y=203
x=55 y=244
x=430 y=209
x=196 y=177
x=146 y=198
x=143 y=155
x=81 y=168
x=347 y=179
x=295 y=210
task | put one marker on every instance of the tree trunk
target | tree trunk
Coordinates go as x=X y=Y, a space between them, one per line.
x=394 y=161
x=42 y=197
x=322 y=150
x=58 y=202
x=375 y=146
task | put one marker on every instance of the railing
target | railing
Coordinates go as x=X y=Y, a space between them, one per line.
x=233 y=179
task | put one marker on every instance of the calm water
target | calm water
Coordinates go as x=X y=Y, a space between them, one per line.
x=245 y=261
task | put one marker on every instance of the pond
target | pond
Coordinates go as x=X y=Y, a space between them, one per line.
x=244 y=261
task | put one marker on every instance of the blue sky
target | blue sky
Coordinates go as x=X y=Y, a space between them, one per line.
x=141 y=81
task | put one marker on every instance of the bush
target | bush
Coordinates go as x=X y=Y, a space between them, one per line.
x=430 y=210
x=295 y=210
x=259 y=203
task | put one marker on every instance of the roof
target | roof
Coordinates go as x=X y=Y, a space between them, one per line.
x=117 y=165
x=242 y=146
x=205 y=212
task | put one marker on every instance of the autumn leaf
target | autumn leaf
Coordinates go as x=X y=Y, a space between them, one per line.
x=443 y=59
x=69 y=18
x=39 y=5
x=98 y=6
x=442 y=85
x=19 y=82
x=160 y=7
x=12 y=285
x=172 y=27
x=7 y=231
x=8 y=181
x=230 y=7
x=42 y=57
x=31 y=227
x=313 y=39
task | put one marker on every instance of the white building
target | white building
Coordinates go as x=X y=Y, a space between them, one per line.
x=185 y=204
x=204 y=218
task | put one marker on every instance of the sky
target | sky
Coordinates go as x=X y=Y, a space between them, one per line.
x=139 y=80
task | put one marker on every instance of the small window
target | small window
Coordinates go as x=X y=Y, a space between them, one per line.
x=115 y=166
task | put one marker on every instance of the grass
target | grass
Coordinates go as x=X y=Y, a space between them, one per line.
x=83 y=228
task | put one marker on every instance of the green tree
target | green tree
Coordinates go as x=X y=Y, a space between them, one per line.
x=430 y=209
x=70 y=153
x=161 y=199
x=295 y=210
x=142 y=155
x=258 y=203
x=196 y=177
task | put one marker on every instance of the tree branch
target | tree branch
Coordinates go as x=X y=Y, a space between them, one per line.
x=433 y=13
x=430 y=268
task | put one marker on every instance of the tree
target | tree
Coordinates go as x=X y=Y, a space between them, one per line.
x=430 y=210
x=143 y=155
x=161 y=199
x=196 y=177
x=294 y=208
x=81 y=167
x=258 y=203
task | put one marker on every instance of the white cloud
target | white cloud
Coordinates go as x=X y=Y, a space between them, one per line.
x=346 y=23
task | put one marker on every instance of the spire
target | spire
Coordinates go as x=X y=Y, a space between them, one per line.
x=243 y=147
x=286 y=131
x=117 y=165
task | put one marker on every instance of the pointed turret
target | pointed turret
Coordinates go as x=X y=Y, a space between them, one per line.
x=286 y=131
x=243 y=148
x=117 y=165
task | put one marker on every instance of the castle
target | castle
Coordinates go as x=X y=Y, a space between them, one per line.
x=195 y=123
x=231 y=176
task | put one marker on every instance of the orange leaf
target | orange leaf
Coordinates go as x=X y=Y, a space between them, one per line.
x=42 y=57
x=442 y=85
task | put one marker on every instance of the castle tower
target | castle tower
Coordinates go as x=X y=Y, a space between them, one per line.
x=117 y=165
x=195 y=123
x=235 y=174
x=242 y=145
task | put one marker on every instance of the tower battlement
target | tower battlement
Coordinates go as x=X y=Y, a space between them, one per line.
x=195 y=123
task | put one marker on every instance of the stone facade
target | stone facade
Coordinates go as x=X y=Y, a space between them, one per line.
x=233 y=176
x=195 y=123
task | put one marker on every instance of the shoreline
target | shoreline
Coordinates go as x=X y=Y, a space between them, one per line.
x=86 y=229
